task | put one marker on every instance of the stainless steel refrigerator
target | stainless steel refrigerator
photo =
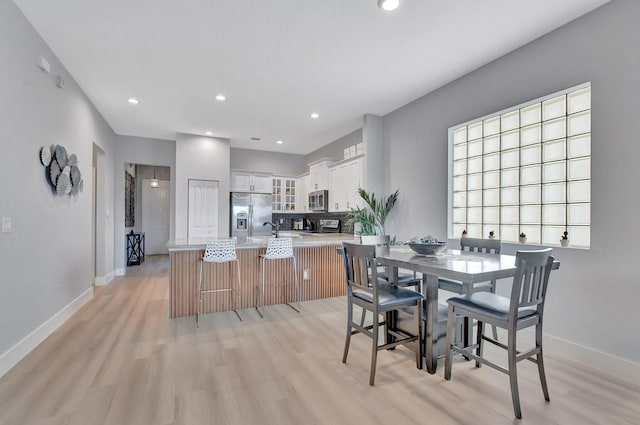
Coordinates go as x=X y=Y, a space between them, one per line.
x=248 y=213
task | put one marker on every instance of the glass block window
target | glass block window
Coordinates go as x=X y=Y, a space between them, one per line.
x=524 y=170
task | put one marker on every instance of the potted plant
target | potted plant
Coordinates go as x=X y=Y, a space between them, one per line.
x=522 y=238
x=492 y=235
x=564 y=240
x=464 y=233
x=369 y=221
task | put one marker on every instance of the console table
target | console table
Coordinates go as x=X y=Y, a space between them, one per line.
x=135 y=249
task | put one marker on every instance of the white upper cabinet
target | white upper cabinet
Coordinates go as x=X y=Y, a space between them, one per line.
x=284 y=193
x=242 y=181
x=302 y=193
x=319 y=176
x=345 y=178
x=356 y=179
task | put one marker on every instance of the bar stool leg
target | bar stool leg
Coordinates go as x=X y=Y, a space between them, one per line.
x=199 y=306
x=260 y=295
x=238 y=293
x=296 y=285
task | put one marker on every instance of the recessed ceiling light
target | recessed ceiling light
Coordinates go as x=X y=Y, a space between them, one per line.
x=208 y=133
x=388 y=5
x=315 y=116
x=279 y=142
x=133 y=100
x=221 y=97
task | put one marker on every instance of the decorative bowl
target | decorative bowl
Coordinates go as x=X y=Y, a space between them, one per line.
x=428 y=248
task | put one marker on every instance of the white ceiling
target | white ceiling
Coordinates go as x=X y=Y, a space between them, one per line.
x=277 y=61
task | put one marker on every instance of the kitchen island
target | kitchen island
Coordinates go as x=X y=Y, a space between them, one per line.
x=320 y=273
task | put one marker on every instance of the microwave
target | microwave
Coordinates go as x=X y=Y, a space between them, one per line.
x=319 y=200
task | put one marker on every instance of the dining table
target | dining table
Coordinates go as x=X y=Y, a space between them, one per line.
x=464 y=266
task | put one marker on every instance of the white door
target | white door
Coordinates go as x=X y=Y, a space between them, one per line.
x=155 y=216
x=203 y=211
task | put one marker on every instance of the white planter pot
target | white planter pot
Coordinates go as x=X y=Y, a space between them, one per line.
x=564 y=243
x=381 y=242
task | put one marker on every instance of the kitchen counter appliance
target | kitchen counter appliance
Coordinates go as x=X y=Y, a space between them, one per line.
x=248 y=212
x=330 y=226
x=319 y=200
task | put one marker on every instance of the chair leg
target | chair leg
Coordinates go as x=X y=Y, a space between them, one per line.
x=364 y=314
x=374 y=348
x=479 y=342
x=419 y=352
x=495 y=328
x=347 y=340
x=540 y=361
x=451 y=328
x=199 y=306
x=513 y=373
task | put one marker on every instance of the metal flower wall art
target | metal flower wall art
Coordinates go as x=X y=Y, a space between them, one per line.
x=61 y=170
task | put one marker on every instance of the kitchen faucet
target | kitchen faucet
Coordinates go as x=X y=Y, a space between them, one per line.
x=274 y=226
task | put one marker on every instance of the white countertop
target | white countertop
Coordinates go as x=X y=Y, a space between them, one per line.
x=300 y=239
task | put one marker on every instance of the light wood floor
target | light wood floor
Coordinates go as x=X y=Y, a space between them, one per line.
x=121 y=360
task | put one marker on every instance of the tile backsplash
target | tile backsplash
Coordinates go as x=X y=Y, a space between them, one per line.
x=286 y=219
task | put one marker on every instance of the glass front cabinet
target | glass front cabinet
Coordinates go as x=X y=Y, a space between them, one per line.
x=284 y=194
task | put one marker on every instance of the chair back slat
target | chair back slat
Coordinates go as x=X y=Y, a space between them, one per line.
x=491 y=246
x=360 y=268
x=531 y=279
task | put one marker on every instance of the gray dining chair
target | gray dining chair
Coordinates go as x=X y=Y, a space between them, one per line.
x=491 y=246
x=404 y=278
x=366 y=290
x=523 y=309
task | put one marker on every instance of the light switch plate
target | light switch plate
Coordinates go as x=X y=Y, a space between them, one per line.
x=6 y=224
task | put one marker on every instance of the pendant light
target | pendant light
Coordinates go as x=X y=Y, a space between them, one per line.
x=154 y=181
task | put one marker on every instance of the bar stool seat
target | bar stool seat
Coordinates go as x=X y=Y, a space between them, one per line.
x=277 y=249
x=220 y=252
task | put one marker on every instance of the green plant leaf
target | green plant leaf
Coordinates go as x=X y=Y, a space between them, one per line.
x=373 y=217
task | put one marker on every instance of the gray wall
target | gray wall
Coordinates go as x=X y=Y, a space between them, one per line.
x=595 y=292
x=139 y=150
x=283 y=164
x=201 y=158
x=46 y=261
x=335 y=149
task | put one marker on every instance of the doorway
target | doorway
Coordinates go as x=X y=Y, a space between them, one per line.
x=147 y=205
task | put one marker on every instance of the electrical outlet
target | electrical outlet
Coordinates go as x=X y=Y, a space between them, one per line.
x=305 y=274
x=6 y=225
x=282 y=221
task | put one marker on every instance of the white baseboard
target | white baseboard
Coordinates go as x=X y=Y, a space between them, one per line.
x=616 y=367
x=13 y=355
x=104 y=280
x=121 y=272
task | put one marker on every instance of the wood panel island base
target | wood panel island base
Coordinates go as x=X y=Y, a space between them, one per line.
x=319 y=257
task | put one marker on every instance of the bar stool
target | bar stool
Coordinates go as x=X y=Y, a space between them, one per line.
x=221 y=251
x=277 y=249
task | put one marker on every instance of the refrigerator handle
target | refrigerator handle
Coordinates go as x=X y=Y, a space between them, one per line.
x=250 y=224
